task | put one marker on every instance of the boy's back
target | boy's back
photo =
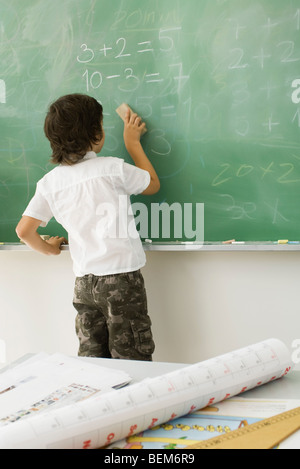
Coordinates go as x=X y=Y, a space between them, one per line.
x=91 y=201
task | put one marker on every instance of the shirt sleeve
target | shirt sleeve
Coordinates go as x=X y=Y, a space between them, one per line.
x=135 y=180
x=39 y=208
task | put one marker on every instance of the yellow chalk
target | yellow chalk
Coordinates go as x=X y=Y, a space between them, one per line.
x=230 y=241
x=283 y=241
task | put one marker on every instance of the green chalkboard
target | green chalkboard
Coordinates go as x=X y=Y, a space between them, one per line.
x=217 y=81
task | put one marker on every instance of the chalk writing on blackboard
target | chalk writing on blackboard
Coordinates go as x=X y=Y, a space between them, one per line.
x=296 y=93
x=2 y=92
x=120 y=49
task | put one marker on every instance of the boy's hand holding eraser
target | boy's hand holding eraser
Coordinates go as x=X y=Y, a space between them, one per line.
x=122 y=111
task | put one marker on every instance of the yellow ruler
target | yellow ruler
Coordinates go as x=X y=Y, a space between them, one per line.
x=265 y=434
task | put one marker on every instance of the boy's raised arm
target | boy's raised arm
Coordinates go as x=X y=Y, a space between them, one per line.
x=133 y=130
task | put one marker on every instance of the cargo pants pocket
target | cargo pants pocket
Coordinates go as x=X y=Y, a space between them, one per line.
x=142 y=335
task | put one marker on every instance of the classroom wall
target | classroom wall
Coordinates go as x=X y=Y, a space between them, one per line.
x=202 y=304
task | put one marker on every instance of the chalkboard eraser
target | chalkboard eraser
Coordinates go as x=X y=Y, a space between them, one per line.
x=122 y=110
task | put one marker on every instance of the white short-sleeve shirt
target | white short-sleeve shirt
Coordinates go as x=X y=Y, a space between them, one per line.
x=91 y=200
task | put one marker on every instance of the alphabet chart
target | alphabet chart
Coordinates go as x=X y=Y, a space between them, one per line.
x=101 y=420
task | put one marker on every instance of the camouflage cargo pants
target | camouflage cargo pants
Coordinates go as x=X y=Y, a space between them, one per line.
x=112 y=319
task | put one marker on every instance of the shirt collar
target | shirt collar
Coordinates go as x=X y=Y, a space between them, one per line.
x=89 y=155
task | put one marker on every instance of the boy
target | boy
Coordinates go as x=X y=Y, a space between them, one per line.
x=83 y=193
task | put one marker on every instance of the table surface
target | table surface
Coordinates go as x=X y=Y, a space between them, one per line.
x=285 y=388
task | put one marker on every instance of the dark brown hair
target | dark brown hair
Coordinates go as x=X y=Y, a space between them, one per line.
x=73 y=123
